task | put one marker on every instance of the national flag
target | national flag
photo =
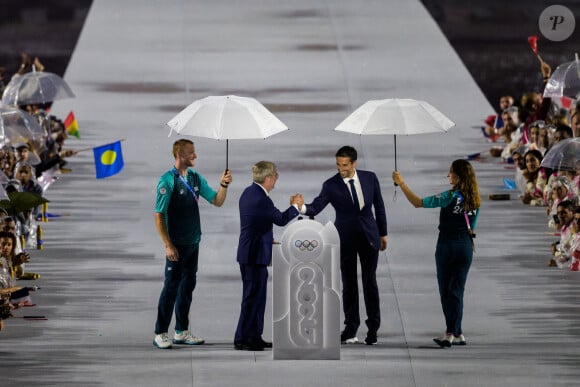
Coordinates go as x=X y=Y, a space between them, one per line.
x=71 y=125
x=566 y=102
x=108 y=159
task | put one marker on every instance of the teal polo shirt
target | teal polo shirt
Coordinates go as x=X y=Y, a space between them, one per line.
x=179 y=204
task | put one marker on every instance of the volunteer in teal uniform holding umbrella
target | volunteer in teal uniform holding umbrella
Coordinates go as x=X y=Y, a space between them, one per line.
x=454 y=251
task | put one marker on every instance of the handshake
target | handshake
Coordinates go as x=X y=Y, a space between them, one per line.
x=297 y=199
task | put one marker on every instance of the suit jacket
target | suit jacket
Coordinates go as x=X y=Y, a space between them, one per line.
x=257 y=216
x=350 y=219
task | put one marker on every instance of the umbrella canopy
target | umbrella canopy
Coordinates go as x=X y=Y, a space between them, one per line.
x=21 y=201
x=564 y=155
x=18 y=126
x=228 y=117
x=565 y=81
x=397 y=117
x=36 y=87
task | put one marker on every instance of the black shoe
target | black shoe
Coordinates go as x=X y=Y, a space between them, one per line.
x=265 y=344
x=248 y=347
x=255 y=346
x=371 y=339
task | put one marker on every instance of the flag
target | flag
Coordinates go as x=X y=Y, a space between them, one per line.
x=533 y=41
x=566 y=102
x=108 y=159
x=71 y=125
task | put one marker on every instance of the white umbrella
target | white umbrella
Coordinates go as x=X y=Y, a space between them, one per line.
x=35 y=87
x=395 y=116
x=565 y=81
x=226 y=117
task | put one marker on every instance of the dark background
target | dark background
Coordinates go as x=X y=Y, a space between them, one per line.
x=48 y=29
x=490 y=37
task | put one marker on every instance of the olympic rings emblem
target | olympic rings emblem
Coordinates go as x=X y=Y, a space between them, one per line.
x=306 y=245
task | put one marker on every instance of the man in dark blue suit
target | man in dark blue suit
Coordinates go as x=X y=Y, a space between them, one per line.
x=257 y=216
x=353 y=194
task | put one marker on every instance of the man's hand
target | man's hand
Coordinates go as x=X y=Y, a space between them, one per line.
x=384 y=242
x=226 y=178
x=297 y=199
x=172 y=253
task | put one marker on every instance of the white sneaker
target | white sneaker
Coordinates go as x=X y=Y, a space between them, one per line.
x=352 y=340
x=161 y=341
x=459 y=340
x=444 y=341
x=184 y=337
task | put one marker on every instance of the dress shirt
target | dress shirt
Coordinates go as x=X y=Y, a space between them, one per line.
x=357 y=186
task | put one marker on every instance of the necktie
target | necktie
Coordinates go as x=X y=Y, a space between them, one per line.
x=354 y=195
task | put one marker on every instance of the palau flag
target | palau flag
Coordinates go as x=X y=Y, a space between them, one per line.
x=71 y=125
x=108 y=159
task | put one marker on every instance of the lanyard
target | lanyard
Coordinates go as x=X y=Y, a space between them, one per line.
x=186 y=184
x=471 y=234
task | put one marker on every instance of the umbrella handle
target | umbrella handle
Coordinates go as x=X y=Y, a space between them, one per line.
x=227 y=151
x=395 y=138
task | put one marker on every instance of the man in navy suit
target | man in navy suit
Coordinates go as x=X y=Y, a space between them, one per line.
x=257 y=216
x=353 y=193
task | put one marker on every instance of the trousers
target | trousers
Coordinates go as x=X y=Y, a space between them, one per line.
x=348 y=269
x=180 y=281
x=453 y=258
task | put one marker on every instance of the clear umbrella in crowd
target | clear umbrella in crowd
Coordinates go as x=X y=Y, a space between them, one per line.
x=17 y=126
x=564 y=155
x=35 y=88
x=228 y=117
x=565 y=81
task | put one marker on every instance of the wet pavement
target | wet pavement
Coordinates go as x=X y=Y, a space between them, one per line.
x=311 y=62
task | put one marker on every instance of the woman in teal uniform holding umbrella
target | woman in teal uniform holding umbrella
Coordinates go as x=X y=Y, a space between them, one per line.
x=454 y=251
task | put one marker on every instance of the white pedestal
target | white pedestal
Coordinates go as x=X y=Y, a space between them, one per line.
x=306 y=292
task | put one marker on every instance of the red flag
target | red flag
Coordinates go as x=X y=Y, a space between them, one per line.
x=566 y=102
x=533 y=41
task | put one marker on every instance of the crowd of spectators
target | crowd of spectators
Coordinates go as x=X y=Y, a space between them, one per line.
x=523 y=135
x=29 y=165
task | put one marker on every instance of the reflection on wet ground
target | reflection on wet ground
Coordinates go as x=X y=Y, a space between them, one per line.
x=278 y=108
x=140 y=87
x=329 y=47
x=306 y=108
x=301 y=13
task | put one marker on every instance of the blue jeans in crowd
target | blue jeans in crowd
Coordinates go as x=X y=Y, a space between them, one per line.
x=180 y=280
x=453 y=257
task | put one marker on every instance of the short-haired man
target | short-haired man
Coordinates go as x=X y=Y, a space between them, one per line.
x=178 y=223
x=257 y=217
x=353 y=194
